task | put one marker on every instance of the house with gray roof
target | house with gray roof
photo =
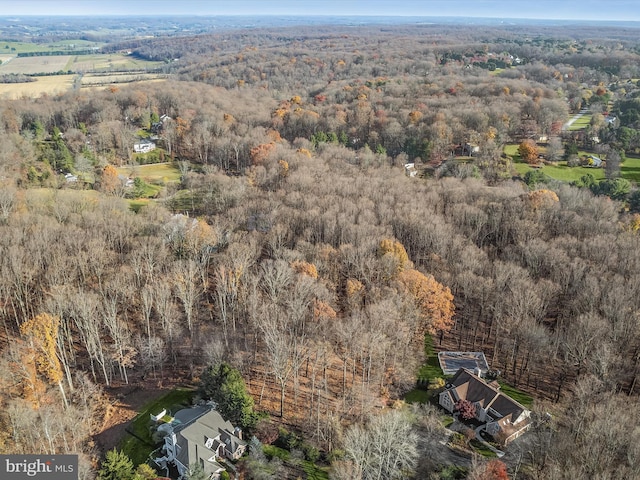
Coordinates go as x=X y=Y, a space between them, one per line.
x=204 y=438
x=504 y=418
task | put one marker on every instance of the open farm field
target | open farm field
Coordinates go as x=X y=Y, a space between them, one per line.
x=116 y=61
x=51 y=85
x=92 y=80
x=32 y=65
x=21 y=47
x=27 y=47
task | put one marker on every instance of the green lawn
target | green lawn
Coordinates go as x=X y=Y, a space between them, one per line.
x=562 y=172
x=153 y=173
x=518 y=395
x=138 y=203
x=482 y=449
x=581 y=123
x=417 y=396
x=431 y=368
x=630 y=169
x=511 y=149
x=427 y=372
x=21 y=47
x=139 y=450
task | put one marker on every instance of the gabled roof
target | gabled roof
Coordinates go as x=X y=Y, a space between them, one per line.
x=470 y=387
x=200 y=439
x=473 y=388
x=507 y=407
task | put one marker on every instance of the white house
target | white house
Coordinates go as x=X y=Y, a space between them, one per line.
x=144 y=146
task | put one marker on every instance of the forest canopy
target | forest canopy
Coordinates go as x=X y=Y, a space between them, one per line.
x=337 y=196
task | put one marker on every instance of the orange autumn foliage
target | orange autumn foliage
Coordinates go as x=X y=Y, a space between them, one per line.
x=434 y=300
x=542 y=198
x=261 y=152
x=322 y=310
x=528 y=151
x=354 y=287
x=198 y=234
x=109 y=180
x=415 y=116
x=284 y=168
x=304 y=151
x=305 y=268
x=395 y=252
x=40 y=358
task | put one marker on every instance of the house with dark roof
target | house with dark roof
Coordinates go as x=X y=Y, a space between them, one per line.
x=204 y=438
x=504 y=418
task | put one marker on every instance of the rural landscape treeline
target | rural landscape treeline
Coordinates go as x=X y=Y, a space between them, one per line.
x=289 y=240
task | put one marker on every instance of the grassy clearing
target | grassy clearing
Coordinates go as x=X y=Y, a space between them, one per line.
x=107 y=63
x=315 y=472
x=482 y=449
x=20 y=47
x=114 y=61
x=26 y=47
x=581 y=123
x=562 y=172
x=52 y=85
x=153 y=172
x=139 y=203
x=511 y=149
x=630 y=169
x=153 y=78
x=518 y=395
x=95 y=79
x=139 y=450
x=431 y=368
x=31 y=65
x=272 y=451
x=428 y=371
x=417 y=396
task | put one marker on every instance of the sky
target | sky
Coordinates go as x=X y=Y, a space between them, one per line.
x=628 y=10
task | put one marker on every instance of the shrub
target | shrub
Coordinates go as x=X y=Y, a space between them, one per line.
x=311 y=453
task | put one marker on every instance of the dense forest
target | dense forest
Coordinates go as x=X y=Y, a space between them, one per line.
x=296 y=249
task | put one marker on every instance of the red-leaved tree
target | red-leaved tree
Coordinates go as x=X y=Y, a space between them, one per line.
x=465 y=409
